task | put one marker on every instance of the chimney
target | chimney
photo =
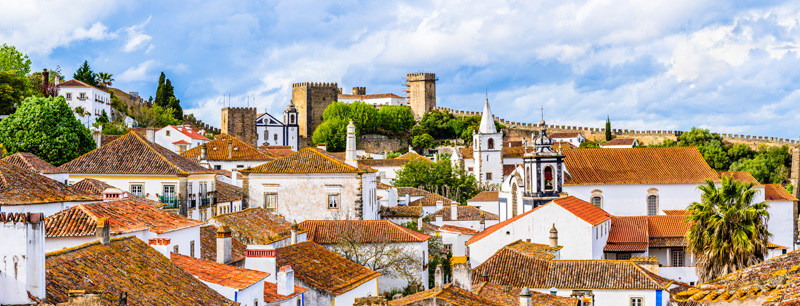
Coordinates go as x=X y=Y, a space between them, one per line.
x=408 y=199
x=150 y=134
x=454 y=211
x=103 y=231
x=57 y=80
x=224 y=244
x=295 y=227
x=98 y=138
x=482 y=225
x=161 y=245
x=419 y=224
x=462 y=276
x=230 y=148
x=286 y=281
x=438 y=277
x=113 y=194
x=439 y=205
x=350 y=152
x=439 y=220
x=35 y=264
x=525 y=297
x=553 y=236
x=485 y=276
x=203 y=153
x=81 y=297
x=45 y=78
x=322 y=147
x=261 y=258
x=123 y=299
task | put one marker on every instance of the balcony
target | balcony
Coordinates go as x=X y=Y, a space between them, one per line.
x=192 y=203
x=171 y=201
x=206 y=201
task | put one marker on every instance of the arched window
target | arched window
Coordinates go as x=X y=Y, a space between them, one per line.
x=548 y=178
x=491 y=143
x=597 y=198
x=652 y=205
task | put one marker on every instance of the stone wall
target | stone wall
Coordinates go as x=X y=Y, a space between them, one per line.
x=240 y=122
x=200 y=125
x=421 y=92
x=373 y=143
x=311 y=99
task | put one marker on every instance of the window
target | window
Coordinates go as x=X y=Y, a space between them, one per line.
x=448 y=248
x=69 y=96
x=167 y=133
x=137 y=189
x=548 y=178
x=488 y=176
x=636 y=301
x=82 y=96
x=491 y=144
x=597 y=201
x=652 y=204
x=275 y=137
x=175 y=248
x=624 y=256
x=191 y=247
x=291 y=119
x=218 y=167
x=677 y=257
x=469 y=169
x=333 y=201
x=169 y=191
x=240 y=166
x=189 y=188
x=270 y=200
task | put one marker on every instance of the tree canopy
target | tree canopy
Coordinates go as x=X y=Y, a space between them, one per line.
x=13 y=89
x=85 y=74
x=440 y=177
x=155 y=116
x=396 y=118
x=444 y=125
x=165 y=97
x=47 y=128
x=11 y=59
x=333 y=133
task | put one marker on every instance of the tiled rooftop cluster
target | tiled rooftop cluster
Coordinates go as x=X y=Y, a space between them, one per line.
x=256 y=226
x=229 y=148
x=364 y=231
x=322 y=268
x=19 y=186
x=308 y=160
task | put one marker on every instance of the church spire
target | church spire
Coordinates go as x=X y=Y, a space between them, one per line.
x=487 y=120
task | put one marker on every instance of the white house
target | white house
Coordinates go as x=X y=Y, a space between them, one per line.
x=27 y=191
x=272 y=132
x=312 y=184
x=123 y=216
x=34 y=163
x=486 y=200
x=22 y=269
x=375 y=237
x=359 y=94
x=463 y=216
x=586 y=227
x=782 y=220
x=229 y=198
x=454 y=239
x=94 y=101
x=226 y=152
x=618 y=143
x=146 y=169
x=256 y=226
x=179 y=138
x=243 y=286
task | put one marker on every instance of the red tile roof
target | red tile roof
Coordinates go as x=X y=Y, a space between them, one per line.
x=124 y=216
x=742 y=176
x=537 y=250
x=277 y=151
x=192 y=133
x=208 y=245
x=619 y=142
x=628 y=234
x=19 y=186
x=322 y=268
x=76 y=83
x=31 y=162
x=220 y=274
x=507 y=169
x=675 y=212
x=271 y=293
x=429 y=199
x=401 y=212
x=182 y=141
x=228 y=193
x=364 y=231
x=132 y=154
x=508 y=295
x=449 y=294
x=458 y=229
x=228 y=148
x=308 y=160
x=489 y=195
x=661 y=226
x=256 y=226
x=125 y=265
x=465 y=213
x=403 y=191
x=673 y=165
x=776 y=192
x=90 y=186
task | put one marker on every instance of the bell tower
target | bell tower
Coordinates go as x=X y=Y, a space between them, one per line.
x=488 y=150
x=544 y=171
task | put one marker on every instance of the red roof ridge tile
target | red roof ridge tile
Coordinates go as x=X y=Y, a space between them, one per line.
x=220 y=274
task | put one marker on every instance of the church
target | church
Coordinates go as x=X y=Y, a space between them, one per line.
x=272 y=132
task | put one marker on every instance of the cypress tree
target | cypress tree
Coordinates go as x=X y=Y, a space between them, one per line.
x=160 y=101
x=608 y=128
x=85 y=74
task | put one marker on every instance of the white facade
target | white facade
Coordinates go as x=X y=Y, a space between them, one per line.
x=781 y=224
x=631 y=200
x=575 y=141
x=272 y=132
x=253 y=295
x=22 y=259
x=378 y=100
x=93 y=101
x=611 y=297
x=457 y=242
x=305 y=196
x=46 y=208
x=181 y=241
x=170 y=136
x=387 y=282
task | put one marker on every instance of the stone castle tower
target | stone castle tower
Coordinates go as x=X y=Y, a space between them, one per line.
x=311 y=99
x=421 y=92
x=240 y=122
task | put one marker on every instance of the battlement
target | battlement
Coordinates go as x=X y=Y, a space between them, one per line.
x=239 y=108
x=421 y=76
x=316 y=85
x=358 y=91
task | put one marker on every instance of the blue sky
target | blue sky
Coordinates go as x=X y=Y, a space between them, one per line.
x=730 y=66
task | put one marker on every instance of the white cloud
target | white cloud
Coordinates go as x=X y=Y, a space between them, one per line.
x=138 y=73
x=136 y=38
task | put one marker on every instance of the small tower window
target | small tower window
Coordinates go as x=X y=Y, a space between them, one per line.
x=652 y=205
x=291 y=118
x=491 y=143
x=548 y=178
x=597 y=201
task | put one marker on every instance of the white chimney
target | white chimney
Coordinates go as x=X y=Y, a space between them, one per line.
x=295 y=227
x=203 y=153
x=419 y=224
x=553 y=236
x=439 y=220
x=482 y=225
x=408 y=199
x=224 y=244
x=525 y=297
x=261 y=258
x=439 y=205
x=438 y=277
x=57 y=80
x=113 y=194
x=462 y=276
x=322 y=146
x=98 y=138
x=454 y=211
x=35 y=263
x=150 y=134
x=285 y=280
x=350 y=152
x=161 y=245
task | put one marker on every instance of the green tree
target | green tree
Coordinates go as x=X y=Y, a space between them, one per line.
x=716 y=155
x=13 y=89
x=165 y=97
x=589 y=144
x=418 y=130
x=47 y=128
x=333 y=133
x=103 y=119
x=422 y=142
x=115 y=128
x=608 y=128
x=104 y=79
x=39 y=89
x=439 y=177
x=11 y=59
x=336 y=110
x=85 y=74
x=698 y=137
x=396 y=118
x=365 y=117
x=728 y=232
x=155 y=116
x=160 y=100
x=118 y=106
x=740 y=151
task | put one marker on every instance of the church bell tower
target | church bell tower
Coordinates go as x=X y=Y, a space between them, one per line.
x=544 y=171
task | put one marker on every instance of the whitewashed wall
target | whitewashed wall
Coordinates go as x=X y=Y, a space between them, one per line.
x=22 y=262
x=616 y=297
x=631 y=200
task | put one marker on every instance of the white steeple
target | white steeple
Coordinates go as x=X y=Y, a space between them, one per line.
x=487 y=120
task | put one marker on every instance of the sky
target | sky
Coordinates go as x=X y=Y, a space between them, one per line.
x=730 y=66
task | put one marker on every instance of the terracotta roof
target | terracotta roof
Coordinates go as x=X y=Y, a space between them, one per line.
x=308 y=160
x=489 y=195
x=256 y=226
x=208 y=245
x=777 y=279
x=228 y=173
x=564 y=135
x=182 y=141
x=536 y=250
x=581 y=209
x=403 y=191
x=429 y=199
x=76 y=83
x=562 y=145
x=508 y=295
x=672 y=165
x=276 y=152
x=401 y=212
x=192 y=133
x=218 y=149
x=370 y=96
x=364 y=231
x=619 y=142
x=450 y=294
x=675 y=212
x=392 y=162
x=31 y=162
x=628 y=234
x=132 y=154
x=271 y=292
x=465 y=213
x=742 y=176
x=507 y=169
x=228 y=193
x=125 y=265
x=90 y=186
x=216 y=273
x=513 y=268
x=19 y=186
x=771 y=245
x=429 y=228
x=458 y=229
x=413 y=155
x=776 y=192
x=322 y=268
x=661 y=226
x=384 y=186
x=124 y=216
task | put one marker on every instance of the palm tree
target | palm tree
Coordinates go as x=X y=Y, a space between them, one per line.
x=728 y=232
x=104 y=79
